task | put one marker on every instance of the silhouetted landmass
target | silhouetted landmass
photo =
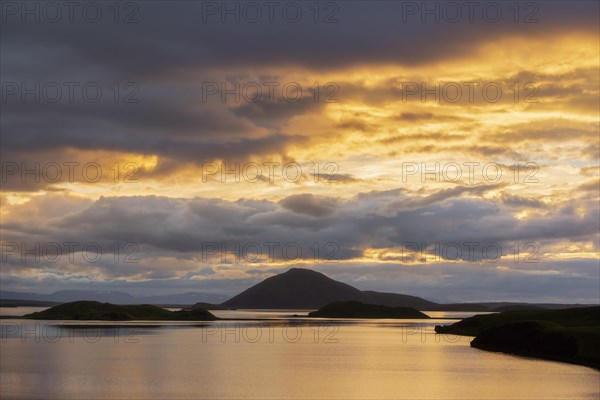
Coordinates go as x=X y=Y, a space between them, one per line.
x=307 y=289
x=354 y=309
x=294 y=289
x=395 y=300
x=569 y=335
x=94 y=310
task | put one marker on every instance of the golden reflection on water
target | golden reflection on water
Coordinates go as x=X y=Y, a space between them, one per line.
x=301 y=360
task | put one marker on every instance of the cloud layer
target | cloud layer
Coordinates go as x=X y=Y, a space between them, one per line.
x=349 y=130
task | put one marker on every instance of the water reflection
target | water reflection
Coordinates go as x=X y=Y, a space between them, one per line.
x=296 y=358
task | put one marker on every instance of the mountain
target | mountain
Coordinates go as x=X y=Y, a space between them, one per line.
x=306 y=289
x=296 y=288
x=64 y=296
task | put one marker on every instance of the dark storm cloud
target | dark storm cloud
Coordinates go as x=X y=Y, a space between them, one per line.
x=176 y=110
x=369 y=220
x=520 y=201
x=308 y=204
x=266 y=112
x=171 y=51
x=172 y=233
x=159 y=120
x=367 y=32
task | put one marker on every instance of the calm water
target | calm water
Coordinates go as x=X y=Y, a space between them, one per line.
x=297 y=358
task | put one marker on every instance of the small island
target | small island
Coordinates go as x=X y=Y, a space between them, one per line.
x=569 y=335
x=97 y=311
x=355 y=309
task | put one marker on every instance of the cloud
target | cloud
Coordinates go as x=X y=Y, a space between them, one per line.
x=364 y=33
x=171 y=235
x=367 y=56
x=369 y=220
x=520 y=202
x=308 y=204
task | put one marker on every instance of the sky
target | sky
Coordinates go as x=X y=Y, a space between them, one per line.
x=429 y=148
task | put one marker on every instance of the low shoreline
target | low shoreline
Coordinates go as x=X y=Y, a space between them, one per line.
x=571 y=336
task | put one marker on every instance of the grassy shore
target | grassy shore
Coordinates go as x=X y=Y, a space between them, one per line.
x=94 y=310
x=570 y=335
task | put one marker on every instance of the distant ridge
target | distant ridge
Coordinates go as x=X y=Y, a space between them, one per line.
x=354 y=309
x=307 y=289
x=114 y=297
x=295 y=289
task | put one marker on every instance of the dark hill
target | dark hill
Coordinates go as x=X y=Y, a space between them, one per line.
x=306 y=289
x=354 y=309
x=396 y=300
x=94 y=310
x=571 y=317
x=569 y=335
x=296 y=288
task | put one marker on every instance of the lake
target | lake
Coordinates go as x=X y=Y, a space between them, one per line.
x=277 y=357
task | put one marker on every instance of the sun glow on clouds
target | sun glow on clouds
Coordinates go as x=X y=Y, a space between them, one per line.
x=363 y=146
